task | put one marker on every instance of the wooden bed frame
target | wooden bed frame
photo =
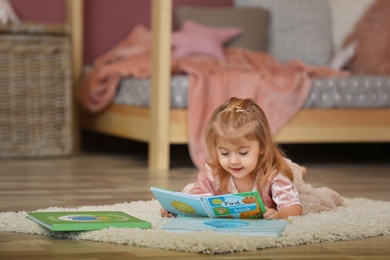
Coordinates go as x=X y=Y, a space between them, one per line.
x=161 y=126
x=74 y=25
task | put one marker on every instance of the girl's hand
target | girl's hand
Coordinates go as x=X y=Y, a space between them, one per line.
x=166 y=214
x=271 y=214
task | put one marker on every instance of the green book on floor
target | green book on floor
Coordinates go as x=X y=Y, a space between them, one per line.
x=86 y=220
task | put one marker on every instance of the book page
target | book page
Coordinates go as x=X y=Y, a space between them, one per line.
x=180 y=203
x=241 y=205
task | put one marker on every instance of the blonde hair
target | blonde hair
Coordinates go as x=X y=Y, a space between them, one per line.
x=237 y=118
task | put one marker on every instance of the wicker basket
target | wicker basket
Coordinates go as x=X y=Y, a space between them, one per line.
x=35 y=91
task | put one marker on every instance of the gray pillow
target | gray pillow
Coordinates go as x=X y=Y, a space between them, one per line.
x=299 y=29
x=254 y=22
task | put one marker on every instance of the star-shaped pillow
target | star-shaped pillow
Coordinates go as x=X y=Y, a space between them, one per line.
x=197 y=38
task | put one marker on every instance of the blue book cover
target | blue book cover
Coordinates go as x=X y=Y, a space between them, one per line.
x=253 y=227
x=239 y=205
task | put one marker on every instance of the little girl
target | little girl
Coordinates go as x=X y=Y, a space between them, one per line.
x=244 y=157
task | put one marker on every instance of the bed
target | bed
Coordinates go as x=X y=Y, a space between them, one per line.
x=160 y=124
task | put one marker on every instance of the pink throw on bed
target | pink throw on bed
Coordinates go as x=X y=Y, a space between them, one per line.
x=279 y=88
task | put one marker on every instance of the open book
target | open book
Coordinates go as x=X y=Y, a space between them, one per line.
x=252 y=227
x=239 y=205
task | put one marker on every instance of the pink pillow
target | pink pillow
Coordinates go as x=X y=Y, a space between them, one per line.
x=372 y=35
x=195 y=38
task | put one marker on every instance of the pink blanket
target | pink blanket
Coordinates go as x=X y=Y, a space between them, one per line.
x=280 y=89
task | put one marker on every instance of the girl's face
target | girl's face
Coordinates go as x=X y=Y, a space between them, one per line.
x=238 y=158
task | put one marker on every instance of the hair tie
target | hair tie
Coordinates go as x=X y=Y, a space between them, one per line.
x=235 y=109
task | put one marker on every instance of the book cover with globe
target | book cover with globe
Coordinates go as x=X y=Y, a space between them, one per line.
x=86 y=220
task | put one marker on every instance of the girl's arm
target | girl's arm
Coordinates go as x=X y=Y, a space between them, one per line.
x=205 y=182
x=286 y=197
x=271 y=213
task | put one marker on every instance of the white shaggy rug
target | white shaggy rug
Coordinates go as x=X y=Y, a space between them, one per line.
x=357 y=218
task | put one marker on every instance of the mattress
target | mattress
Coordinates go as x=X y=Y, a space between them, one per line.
x=351 y=92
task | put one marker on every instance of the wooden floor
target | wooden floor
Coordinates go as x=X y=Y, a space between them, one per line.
x=99 y=176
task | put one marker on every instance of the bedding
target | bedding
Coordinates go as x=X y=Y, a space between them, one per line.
x=254 y=17
x=253 y=21
x=186 y=41
x=298 y=29
x=351 y=92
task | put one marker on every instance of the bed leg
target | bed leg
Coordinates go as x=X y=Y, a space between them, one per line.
x=161 y=78
x=159 y=156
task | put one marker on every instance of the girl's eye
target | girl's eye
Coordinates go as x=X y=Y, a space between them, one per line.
x=243 y=153
x=223 y=152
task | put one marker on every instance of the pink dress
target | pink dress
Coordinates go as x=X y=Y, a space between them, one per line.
x=278 y=192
